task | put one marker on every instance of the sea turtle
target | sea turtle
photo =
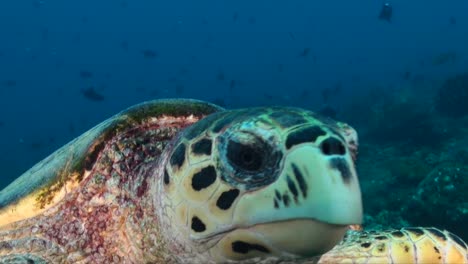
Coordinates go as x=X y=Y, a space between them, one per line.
x=185 y=181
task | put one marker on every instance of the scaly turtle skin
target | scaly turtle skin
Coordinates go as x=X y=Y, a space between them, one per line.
x=184 y=181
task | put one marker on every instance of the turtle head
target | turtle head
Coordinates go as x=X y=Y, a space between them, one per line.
x=262 y=182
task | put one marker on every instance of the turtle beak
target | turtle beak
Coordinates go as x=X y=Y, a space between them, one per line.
x=312 y=185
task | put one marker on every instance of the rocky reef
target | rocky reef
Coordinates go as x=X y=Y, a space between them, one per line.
x=413 y=159
x=452 y=97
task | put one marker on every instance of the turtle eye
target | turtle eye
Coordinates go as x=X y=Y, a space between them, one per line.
x=247 y=160
x=249 y=156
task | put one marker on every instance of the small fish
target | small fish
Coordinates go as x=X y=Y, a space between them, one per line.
x=71 y=128
x=9 y=83
x=386 y=12
x=268 y=96
x=235 y=16
x=2 y=124
x=452 y=20
x=149 y=54
x=304 y=53
x=220 y=76
x=179 y=90
x=407 y=75
x=35 y=145
x=328 y=111
x=305 y=94
x=280 y=67
x=91 y=94
x=291 y=35
x=329 y=93
x=252 y=20
x=220 y=102
x=232 y=85
x=124 y=45
x=86 y=74
x=37 y=3
x=444 y=58
x=45 y=34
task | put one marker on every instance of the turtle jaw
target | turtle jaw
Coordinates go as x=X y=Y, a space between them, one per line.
x=291 y=239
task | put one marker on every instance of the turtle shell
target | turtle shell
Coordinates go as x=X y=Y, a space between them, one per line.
x=46 y=184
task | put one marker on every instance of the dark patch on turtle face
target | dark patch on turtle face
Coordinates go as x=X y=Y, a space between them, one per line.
x=416 y=231
x=226 y=199
x=436 y=250
x=332 y=146
x=198 y=225
x=202 y=147
x=406 y=248
x=275 y=204
x=381 y=237
x=288 y=119
x=437 y=233
x=304 y=135
x=204 y=178
x=166 y=177
x=381 y=247
x=201 y=126
x=397 y=234
x=458 y=240
x=178 y=157
x=366 y=245
x=286 y=200
x=223 y=122
x=244 y=248
x=292 y=188
x=93 y=155
x=341 y=165
x=300 y=179
x=277 y=195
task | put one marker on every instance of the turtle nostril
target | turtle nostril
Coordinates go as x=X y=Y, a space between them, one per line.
x=332 y=146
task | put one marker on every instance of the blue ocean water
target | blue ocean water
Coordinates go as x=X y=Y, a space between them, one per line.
x=67 y=65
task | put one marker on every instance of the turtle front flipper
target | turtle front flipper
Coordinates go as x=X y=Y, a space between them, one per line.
x=406 y=245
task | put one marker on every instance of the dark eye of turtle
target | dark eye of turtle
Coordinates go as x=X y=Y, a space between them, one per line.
x=249 y=156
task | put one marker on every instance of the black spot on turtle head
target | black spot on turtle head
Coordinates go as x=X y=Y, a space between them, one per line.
x=304 y=135
x=202 y=147
x=458 y=240
x=341 y=165
x=226 y=199
x=288 y=119
x=437 y=233
x=204 y=178
x=416 y=231
x=202 y=125
x=198 y=225
x=178 y=156
x=366 y=245
x=242 y=247
x=397 y=234
x=166 y=177
x=224 y=121
x=332 y=146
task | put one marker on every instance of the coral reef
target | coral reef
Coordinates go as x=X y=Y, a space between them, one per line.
x=452 y=97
